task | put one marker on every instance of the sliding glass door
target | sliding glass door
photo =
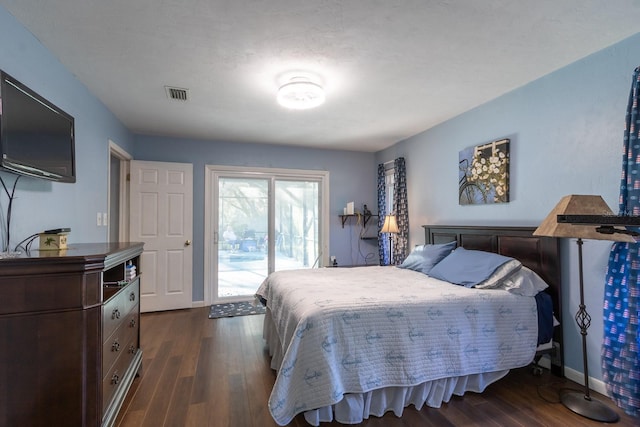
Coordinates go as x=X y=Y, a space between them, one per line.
x=262 y=222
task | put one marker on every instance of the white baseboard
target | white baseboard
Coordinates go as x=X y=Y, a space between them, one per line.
x=573 y=375
x=196 y=304
x=594 y=384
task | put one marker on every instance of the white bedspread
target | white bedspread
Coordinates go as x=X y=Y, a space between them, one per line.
x=352 y=330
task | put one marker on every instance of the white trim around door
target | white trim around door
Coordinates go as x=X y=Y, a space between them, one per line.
x=121 y=192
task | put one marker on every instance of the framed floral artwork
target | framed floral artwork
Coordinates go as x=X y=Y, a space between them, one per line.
x=483 y=176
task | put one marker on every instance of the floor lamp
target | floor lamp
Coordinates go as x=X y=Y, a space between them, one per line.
x=390 y=227
x=582 y=403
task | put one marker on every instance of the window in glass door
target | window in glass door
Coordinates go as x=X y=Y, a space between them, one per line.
x=243 y=206
x=297 y=239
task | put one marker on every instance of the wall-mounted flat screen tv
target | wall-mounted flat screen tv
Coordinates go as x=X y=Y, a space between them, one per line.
x=36 y=137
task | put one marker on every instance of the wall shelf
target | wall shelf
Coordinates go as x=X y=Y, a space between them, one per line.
x=366 y=218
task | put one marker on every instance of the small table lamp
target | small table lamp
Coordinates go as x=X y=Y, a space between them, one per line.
x=582 y=205
x=390 y=226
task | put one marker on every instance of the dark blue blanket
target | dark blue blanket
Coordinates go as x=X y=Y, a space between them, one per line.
x=545 y=317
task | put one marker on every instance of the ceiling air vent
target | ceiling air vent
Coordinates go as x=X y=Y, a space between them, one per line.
x=177 y=93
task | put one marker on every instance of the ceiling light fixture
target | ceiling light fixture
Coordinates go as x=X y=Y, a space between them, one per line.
x=300 y=93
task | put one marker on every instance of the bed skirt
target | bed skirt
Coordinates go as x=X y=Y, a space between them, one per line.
x=356 y=407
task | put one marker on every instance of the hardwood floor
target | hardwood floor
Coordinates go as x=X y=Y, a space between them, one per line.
x=203 y=372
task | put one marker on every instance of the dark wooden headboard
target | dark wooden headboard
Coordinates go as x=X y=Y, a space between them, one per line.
x=540 y=254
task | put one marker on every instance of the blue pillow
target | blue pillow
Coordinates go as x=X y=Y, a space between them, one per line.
x=467 y=267
x=424 y=257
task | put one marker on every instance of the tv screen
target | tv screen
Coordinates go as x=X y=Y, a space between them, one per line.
x=36 y=137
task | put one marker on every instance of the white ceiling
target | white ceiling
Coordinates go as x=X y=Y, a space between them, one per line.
x=391 y=68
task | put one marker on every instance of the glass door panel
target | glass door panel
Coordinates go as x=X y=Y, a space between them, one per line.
x=243 y=255
x=296 y=222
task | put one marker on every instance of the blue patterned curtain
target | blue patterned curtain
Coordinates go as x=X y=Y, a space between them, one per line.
x=401 y=209
x=383 y=252
x=620 y=354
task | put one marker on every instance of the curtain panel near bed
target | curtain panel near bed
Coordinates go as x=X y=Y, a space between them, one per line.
x=383 y=251
x=401 y=209
x=620 y=349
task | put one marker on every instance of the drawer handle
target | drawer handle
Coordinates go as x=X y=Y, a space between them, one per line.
x=115 y=379
x=132 y=296
x=132 y=349
x=132 y=323
x=115 y=346
x=115 y=314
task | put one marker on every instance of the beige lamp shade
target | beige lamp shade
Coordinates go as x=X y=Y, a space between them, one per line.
x=578 y=205
x=390 y=225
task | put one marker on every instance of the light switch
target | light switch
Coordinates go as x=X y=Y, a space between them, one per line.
x=105 y=219
x=99 y=219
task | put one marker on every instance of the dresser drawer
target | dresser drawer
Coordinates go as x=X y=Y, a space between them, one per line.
x=115 y=376
x=124 y=340
x=119 y=306
x=31 y=293
x=131 y=295
x=112 y=314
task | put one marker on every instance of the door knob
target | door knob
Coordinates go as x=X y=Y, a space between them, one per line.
x=187 y=243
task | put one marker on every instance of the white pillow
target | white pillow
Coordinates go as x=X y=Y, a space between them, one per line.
x=524 y=282
x=501 y=273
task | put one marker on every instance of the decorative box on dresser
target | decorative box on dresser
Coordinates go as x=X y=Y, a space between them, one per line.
x=69 y=334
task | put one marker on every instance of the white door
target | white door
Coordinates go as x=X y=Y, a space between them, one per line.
x=162 y=218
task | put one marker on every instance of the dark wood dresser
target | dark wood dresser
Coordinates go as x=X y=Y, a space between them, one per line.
x=69 y=334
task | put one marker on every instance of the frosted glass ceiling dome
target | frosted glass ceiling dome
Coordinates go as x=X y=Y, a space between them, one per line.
x=300 y=93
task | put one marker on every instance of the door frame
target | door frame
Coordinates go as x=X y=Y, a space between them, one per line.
x=123 y=193
x=211 y=234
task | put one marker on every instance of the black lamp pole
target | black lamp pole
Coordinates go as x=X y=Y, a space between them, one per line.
x=579 y=403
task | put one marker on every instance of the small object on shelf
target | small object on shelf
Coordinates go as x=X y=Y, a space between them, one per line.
x=350 y=208
x=130 y=271
x=14 y=254
x=57 y=230
x=119 y=283
x=53 y=239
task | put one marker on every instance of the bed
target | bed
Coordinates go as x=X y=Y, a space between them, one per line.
x=349 y=343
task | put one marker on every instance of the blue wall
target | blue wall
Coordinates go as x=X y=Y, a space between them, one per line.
x=352 y=177
x=566 y=137
x=41 y=204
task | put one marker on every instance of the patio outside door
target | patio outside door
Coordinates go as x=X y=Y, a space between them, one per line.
x=262 y=224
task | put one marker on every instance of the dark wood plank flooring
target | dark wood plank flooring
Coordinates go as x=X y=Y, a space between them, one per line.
x=202 y=372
